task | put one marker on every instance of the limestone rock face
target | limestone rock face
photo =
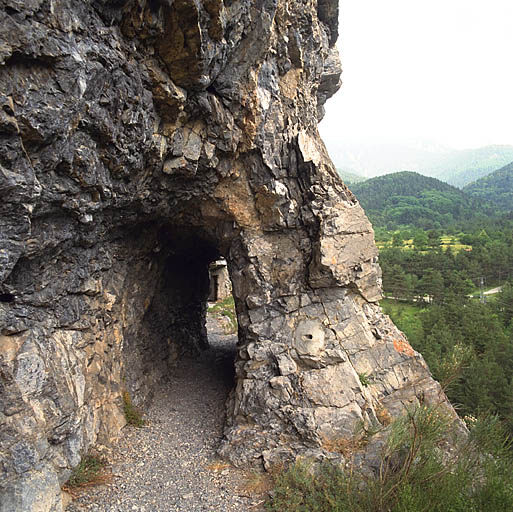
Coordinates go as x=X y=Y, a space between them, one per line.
x=140 y=141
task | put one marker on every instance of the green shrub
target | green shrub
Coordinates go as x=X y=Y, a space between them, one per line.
x=417 y=473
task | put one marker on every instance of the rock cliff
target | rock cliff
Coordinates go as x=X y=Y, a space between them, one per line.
x=140 y=141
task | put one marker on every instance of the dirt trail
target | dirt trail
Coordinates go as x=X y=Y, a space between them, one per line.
x=167 y=465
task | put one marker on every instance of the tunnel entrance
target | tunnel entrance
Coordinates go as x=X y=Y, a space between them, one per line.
x=187 y=272
x=179 y=370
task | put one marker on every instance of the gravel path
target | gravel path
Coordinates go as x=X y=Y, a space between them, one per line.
x=170 y=463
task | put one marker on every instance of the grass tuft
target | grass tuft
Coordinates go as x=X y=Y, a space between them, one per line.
x=133 y=416
x=257 y=483
x=90 y=472
x=365 y=379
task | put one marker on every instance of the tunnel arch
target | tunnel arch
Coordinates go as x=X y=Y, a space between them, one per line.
x=173 y=321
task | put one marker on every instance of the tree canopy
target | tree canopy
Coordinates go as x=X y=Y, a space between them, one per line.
x=410 y=199
x=496 y=188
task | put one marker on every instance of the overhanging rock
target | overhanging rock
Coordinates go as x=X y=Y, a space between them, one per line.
x=140 y=141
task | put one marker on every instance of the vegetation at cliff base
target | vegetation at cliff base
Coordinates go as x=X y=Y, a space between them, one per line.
x=413 y=473
x=435 y=300
x=90 y=471
x=133 y=415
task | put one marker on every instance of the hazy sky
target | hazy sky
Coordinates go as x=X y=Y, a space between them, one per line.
x=440 y=70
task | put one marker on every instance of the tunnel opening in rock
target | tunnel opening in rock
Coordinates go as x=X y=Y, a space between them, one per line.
x=181 y=274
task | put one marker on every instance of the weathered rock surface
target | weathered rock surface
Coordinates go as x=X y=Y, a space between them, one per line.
x=141 y=140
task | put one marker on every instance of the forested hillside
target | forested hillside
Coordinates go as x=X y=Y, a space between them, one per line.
x=466 y=341
x=410 y=199
x=439 y=246
x=494 y=189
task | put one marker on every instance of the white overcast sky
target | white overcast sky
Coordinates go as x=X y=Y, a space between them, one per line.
x=438 y=70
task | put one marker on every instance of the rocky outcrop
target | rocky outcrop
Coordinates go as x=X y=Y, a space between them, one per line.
x=140 y=141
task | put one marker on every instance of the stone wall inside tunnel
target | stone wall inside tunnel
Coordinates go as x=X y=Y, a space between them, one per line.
x=140 y=140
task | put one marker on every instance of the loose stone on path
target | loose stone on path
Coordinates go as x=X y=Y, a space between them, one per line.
x=170 y=464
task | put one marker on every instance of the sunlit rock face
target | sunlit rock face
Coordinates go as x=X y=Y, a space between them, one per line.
x=140 y=141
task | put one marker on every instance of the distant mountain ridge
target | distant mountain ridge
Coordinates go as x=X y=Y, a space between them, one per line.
x=409 y=198
x=469 y=165
x=350 y=177
x=456 y=167
x=495 y=188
